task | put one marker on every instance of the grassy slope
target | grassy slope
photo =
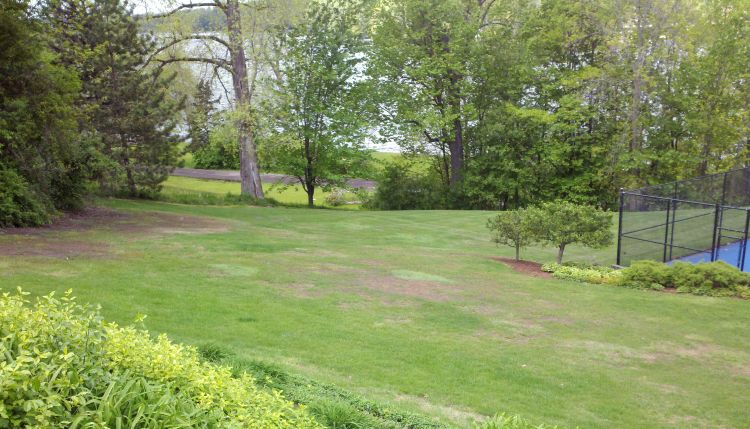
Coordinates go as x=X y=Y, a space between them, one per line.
x=408 y=307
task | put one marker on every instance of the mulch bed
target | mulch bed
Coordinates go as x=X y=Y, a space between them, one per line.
x=528 y=268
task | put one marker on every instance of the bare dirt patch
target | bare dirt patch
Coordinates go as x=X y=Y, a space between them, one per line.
x=132 y=222
x=53 y=241
x=528 y=268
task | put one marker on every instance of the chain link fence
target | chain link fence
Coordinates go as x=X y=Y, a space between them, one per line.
x=697 y=220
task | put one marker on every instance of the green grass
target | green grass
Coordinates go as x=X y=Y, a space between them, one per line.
x=176 y=187
x=408 y=308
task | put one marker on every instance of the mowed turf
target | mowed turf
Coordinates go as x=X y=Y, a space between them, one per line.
x=403 y=307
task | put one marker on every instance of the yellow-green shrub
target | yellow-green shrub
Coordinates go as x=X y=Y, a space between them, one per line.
x=585 y=274
x=62 y=366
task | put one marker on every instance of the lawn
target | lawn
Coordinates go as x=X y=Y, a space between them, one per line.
x=403 y=307
x=176 y=186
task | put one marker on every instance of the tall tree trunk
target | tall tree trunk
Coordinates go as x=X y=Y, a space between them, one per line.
x=457 y=155
x=249 y=171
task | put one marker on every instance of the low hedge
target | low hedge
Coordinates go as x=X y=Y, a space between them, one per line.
x=710 y=279
x=596 y=274
x=62 y=366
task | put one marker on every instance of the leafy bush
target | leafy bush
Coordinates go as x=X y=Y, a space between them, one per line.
x=221 y=152
x=62 y=366
x=583 y=273
x=19 y=205
x=646 y=275
x=336 y=198
x=713 y=279
x=399 y=188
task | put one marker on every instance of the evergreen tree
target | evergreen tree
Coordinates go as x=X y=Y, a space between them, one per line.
x=200 y=118
x=42 y=158
x=127 y=106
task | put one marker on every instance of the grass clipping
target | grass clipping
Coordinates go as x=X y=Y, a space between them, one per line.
x=61 y=365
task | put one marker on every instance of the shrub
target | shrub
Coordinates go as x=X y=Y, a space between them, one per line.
x=646 y=275
x=402 y=189
x=561 y=223
x=336 y=198
x=62 y=366
x=583 y=273
x=221 y=152
x=19 y=204
x=511 y=228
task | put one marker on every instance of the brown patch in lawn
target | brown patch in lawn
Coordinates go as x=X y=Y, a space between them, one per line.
x=131 y=222
x=528 y=268
x=45 y=241
x=422 y=289
x=55 y=249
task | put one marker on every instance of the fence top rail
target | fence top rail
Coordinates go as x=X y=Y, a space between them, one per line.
x=692 y=179
x=723 y=206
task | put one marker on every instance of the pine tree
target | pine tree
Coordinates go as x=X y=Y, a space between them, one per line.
x=200 y=118
x=127 y=106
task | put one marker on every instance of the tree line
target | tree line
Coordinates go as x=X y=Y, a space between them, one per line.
x=510 y=102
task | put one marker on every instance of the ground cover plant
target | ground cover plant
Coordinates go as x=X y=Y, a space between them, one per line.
x=405 y=309
x=62 y=366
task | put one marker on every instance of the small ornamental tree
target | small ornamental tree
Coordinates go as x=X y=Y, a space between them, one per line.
x=561 y=223
x=511 y=228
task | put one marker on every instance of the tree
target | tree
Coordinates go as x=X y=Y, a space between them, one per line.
x=561 y=223
x=128 y=108
x=44 y=162
x=227 y=53
x=422 y=55
x=512 y=228
x=200 y=118
x=317 y=129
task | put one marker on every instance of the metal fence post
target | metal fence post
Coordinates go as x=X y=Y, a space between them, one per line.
x=744 y=242
x=716 y=227
x=671 y=230
x=619 y=226
x=666 y=231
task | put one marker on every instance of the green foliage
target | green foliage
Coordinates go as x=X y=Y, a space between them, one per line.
x=19 y=204
x=333 y=406
x=512 y=228
x=39 y=138
x=711 y=279
x=127 y=105
x=647 y=275
x=221 y=152
x=316 y=131
x=400 y=188
x=337 y=197
x=595 y=274
x=561 y=223
x=62 y=366
x=213 y=352
x=504 y=421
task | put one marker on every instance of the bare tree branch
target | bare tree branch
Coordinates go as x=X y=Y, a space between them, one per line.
x=185 y=6
x=186 y=38
x=215 y=61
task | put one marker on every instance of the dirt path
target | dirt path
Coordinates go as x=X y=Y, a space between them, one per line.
x=234 y=176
